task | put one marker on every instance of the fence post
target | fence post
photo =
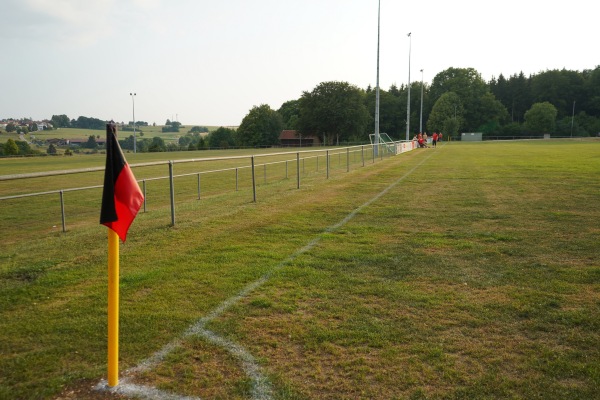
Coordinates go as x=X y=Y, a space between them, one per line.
x=62 y=212
x=253 y=181
x=347 y=159
x=373 y=146
x=265 y=168
x=172 y=187
x=317 y=162
x=144 y=185
x=198 y=185
x=362 y=154
x=327 y=162
x=286 y=169
x=298 y=169
x=236 y=179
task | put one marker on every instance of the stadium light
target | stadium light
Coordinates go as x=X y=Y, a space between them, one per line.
x=421 y=121
x=408 y=102
x=376 y=147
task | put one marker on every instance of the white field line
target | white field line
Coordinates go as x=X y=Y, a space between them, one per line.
x=261 y=387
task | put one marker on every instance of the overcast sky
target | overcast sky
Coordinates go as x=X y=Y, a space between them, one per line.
x=209 y=62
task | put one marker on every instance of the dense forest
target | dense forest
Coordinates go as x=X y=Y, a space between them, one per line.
x=562 y=103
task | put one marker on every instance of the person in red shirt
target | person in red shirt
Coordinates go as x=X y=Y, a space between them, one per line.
x=434 y=139
x=440 y=137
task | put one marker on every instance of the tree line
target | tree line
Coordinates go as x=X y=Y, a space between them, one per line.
x=62 y=121
x=557 y=102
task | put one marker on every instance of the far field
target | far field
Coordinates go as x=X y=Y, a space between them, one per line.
x=75 y=133
x=464 y=272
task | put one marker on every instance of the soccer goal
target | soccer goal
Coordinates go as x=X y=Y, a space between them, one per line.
x=385 y=140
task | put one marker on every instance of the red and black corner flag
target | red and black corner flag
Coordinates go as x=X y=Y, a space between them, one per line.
x=121 y=197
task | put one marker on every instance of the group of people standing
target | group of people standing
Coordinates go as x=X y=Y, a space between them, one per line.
x=421 y=139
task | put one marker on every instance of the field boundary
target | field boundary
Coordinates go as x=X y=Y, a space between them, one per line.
x=297 y=159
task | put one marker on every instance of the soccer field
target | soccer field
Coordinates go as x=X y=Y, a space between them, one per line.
x=467 y=271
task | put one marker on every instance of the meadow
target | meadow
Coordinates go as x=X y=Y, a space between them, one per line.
x=467 y=271
x=147 y=132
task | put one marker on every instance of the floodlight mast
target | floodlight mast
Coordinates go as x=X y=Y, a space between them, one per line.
x=408 y=102
x=376 y=147
x=421 y=120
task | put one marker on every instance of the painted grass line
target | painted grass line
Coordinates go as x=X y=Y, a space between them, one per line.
x=261 y=387
x=139 y=391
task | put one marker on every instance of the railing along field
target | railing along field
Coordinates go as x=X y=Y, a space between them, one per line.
x=61 y=207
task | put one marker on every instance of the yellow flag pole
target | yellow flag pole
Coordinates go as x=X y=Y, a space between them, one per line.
x=113 y=308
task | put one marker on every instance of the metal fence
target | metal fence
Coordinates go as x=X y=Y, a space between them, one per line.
x=195 y=178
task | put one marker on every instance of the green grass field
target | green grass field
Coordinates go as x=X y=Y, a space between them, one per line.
x=467 y=271
x=148 y=132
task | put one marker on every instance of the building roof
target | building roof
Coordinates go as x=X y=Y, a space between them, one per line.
x=288 y=134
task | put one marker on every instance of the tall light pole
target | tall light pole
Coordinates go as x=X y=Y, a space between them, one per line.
x=375 y=149
x=408 y=102
x=134 y=139
x=421 y=121
x=572 y=118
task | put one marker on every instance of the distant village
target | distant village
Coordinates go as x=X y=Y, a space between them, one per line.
x=25 y=125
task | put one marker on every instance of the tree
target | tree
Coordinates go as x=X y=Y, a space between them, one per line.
x=24 y=147
x=392 y=116
x=261 y=127
x=171 y=126
x=51 y=149
x=198 y=129
x=202 y=145
x=541 y=118
x=185 y=140
x=492 y=112
x=127 y=143
x=592 y=86
x=222 y=137
x=289 y=114
x=560 y=88
x=333 y=110
x=446 y=115
x=88 y=123
x=91 y=143
x=60 y=121
x=157 y=145
x=479 y=104
x=514 y=94
x=11 y=148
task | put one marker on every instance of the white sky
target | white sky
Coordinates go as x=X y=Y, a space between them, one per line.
x=209 y=62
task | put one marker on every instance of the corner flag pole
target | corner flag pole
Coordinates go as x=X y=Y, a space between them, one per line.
x=113 y=308
x=121 y=201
